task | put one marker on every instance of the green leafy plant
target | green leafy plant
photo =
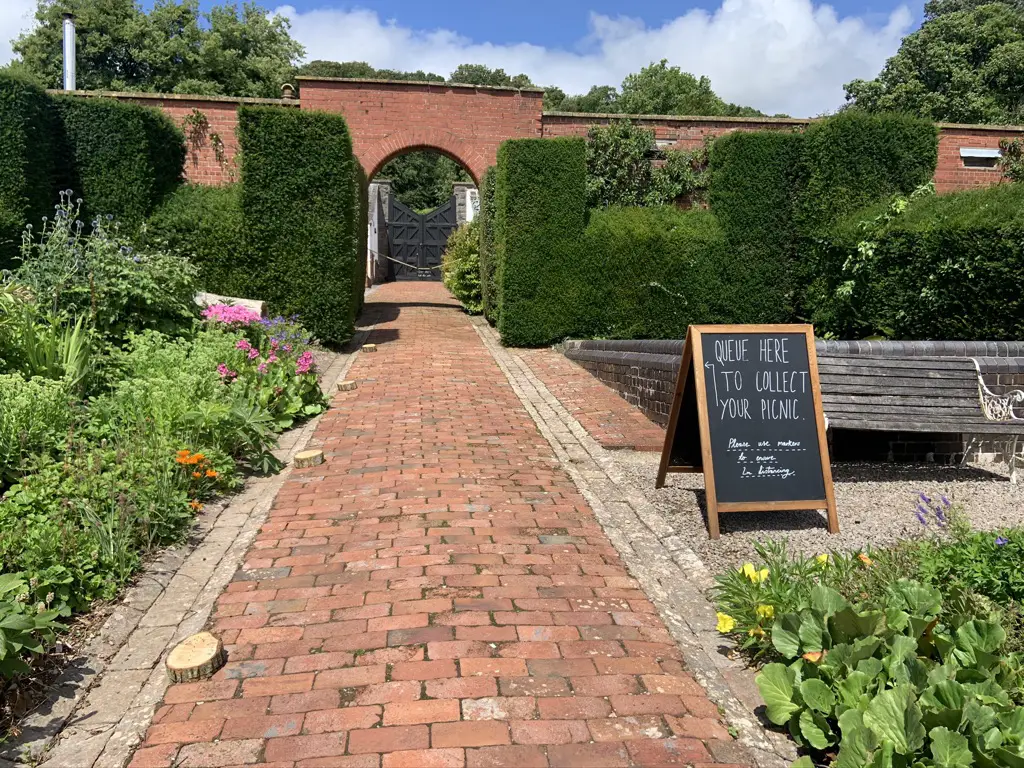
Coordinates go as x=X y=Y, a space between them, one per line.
x=460 y=267
x=1012 y=160
x=26 y=628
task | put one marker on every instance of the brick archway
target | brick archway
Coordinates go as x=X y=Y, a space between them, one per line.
x=402 y=142
x=387 y=118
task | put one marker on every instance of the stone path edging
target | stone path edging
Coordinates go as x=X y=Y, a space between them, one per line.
x=669 y=571
x=103 y=702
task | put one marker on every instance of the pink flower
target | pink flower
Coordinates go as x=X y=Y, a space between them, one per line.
x=243 y=344
x=287 y=347
x=304 y=363
x=271 y=358
x=253 y=353
x=225 y=372
x=229 y=314
x=273 y=343
x=261 y=368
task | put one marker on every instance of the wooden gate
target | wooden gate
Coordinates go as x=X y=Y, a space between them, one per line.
x=417 y=240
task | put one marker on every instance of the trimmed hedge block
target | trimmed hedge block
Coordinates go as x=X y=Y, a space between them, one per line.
x=488 y=286
x=540 y=270
x=301 y=203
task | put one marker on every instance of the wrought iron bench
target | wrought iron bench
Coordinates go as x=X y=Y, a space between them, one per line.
x=918 y=394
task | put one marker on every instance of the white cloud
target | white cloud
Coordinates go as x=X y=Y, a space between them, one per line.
x=16 y=16
x=777 y=55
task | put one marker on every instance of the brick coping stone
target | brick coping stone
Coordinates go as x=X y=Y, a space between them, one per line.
x=437 y=593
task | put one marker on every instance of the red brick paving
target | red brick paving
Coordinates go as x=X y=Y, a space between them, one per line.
x=438 y=593
x=609 y=419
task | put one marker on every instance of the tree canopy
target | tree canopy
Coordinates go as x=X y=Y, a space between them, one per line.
x=175 y=48
x=965 y=65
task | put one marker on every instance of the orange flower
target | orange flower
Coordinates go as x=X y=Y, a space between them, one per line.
x=195 y=505
x=197 y=457
x=211 y=473
x=813 y=656
x=197 y=474
x=864 y=558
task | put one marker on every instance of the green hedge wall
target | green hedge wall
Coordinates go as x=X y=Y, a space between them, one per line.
x=299 y=201
x=361 y=224
x=754 y=181
x=488 y=287
x=540 y=213
x=656 y=271
x=949 y=267
x=124 y=159
x=855 y=158
x=30 y=175
x=204 y=224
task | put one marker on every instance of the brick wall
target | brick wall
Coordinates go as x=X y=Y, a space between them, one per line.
x=465 y=122
x=469 y=122
x=202 y=165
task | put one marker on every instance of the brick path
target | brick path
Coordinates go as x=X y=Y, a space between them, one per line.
x=609 y=419
x=437 y=594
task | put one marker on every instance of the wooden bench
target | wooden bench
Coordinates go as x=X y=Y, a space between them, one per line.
x=919 y=394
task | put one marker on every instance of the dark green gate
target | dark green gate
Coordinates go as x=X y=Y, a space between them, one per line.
x=417 y=240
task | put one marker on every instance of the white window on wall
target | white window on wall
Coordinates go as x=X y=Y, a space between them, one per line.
x=980 y=157
x=472 y=204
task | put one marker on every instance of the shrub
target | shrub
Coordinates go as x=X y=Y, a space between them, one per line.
x=123 y=158
x=940 y=267
x=99 y=275
x=204 y=224
x=460 y=266
x=655 y=271
x=754 y=180
x=619 y=167
x=35 y=415
x=488 y=286
x=29 y=150
x=27 y=628
x=300 y=209
x=540 y=212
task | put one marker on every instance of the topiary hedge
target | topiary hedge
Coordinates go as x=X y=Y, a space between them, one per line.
x=540 y=212
x=488 y=287
x=124 y=159
x=754 y=181
x=656 y=271
x=30 y=139
x=948 y=267
x=300 y=208
x=204 y=224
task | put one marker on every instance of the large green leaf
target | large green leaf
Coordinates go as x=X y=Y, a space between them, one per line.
x=853 y=689
x=812 y=632
x=775 y=682
x=826 y=600
x=915 y=598
x=818 y=696
x=786 y=637
x=895 y=717
x=815 y=730
x=802 y=762
x=950 y=749
x=978 y=636
x=847 y=625
x=857 y=743
x=948 y=694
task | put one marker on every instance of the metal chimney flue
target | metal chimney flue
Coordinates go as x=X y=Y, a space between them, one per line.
x=69 y=52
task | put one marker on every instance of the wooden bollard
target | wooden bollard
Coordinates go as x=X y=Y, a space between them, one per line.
x=346 y=386
x=309 y=458
x=195 y=658
x=369 y=347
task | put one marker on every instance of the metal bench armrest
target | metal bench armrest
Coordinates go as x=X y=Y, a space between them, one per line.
x=998 y=407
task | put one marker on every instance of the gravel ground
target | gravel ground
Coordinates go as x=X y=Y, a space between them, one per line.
x=875 y=503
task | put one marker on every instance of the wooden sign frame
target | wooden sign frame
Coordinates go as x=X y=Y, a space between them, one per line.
x=693 y=360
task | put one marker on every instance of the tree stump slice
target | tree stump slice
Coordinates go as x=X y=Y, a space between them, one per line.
x=369 y=347
x=309 y=458
x=346 y=386
x=195 y=658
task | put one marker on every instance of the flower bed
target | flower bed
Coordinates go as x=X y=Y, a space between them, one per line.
x=122 y=411
x=905 y=656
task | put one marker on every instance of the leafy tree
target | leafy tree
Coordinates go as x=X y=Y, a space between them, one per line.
x=322 y=68
x=600 y=98
x=481 y=74
x=423 y=180
x=230 y=50
x=965 y=64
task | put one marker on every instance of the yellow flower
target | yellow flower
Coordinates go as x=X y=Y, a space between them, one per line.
x=822 y=559
x=864 y=558
x=762 y=575
x=726 y=623
x=765 y=611
x=755 y=632
x=813 y=656
x=755 y=576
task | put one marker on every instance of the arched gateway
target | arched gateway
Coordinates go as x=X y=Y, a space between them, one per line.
x=389 y=117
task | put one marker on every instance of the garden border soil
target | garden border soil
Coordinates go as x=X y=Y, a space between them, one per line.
x=103 y=701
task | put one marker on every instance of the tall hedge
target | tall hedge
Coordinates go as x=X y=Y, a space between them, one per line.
x=30 y=174
x=856 y=158
x=657 y=270
x=124 y=159
x=755 y=179
x=204 y=224
x=299 y=201
x=949 y=267
x=360 y=225
x=488 y=287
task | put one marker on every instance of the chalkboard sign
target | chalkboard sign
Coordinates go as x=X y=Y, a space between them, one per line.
x=747 y=413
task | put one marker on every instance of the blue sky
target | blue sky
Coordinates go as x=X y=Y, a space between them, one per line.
x=790 y=56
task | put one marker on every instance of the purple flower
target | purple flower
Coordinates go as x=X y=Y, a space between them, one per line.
x=1002 y=541
x=924 y=498
x=922 y=515
x=945 y=502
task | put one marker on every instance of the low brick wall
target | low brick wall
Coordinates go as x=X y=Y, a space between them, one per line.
x=644 y=374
